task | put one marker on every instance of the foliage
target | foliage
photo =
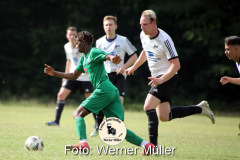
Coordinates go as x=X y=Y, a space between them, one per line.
x=33 y=33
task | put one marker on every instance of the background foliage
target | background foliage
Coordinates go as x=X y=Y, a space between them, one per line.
x=32 y=33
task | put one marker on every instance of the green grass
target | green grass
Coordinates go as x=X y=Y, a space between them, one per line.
x=194 y=137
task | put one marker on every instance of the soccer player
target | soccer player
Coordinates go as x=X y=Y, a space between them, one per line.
x=113 y=44
x=82 y=83
x=105 y=96
x=163 y=62
x=232 y=51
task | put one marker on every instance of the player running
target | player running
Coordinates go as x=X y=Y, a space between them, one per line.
x=82 y=83
x=163 y=62
x=105 y=96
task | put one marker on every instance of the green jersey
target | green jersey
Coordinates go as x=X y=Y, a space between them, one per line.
x=92 y=64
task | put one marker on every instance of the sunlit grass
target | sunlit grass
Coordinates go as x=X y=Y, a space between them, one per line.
x=193 y=137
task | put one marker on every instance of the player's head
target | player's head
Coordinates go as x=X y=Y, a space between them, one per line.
x=71 y=33
x=110 y=24
x=148 y=21
x=83 y=39
x=232 y=48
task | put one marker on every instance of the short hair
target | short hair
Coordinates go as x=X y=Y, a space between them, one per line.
x=109 y=17
x=71 y=28
x=85 y=36
x=150 y=14
x=232 y=40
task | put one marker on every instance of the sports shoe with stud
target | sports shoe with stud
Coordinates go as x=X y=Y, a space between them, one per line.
x=53 y=123
x=206 y=110
x=148 y=149
x=81 y=146
x=94 y=133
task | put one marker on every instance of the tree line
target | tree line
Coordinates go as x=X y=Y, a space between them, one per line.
x=33 y=33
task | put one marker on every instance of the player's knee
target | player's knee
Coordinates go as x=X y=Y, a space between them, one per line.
x=60 y=96
x=164 y=118
x=146 y=108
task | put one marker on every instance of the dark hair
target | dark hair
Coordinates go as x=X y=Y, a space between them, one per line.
x=85 y=36
x=232 y=40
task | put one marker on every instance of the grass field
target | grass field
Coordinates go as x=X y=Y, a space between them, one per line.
x=194 y=137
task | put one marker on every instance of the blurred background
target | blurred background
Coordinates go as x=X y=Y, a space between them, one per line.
x=33 y=33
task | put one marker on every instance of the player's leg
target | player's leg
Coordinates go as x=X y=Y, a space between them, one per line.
x=150 y=106
x=184 y=111
x=163 y=110
x=61 y=96
x=115 y=109
x=79 y=115
x=98 y=120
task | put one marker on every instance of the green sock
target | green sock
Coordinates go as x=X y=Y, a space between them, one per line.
x=81 y=128
x=133 y=138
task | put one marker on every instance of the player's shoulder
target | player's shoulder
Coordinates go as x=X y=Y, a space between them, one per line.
x=67 y=45
x=121 y=37
x=164 y=35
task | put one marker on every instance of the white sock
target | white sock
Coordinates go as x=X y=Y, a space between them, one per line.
x=83 y=140
x=144 y=143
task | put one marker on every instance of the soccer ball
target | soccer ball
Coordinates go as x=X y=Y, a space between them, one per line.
x=34 y=143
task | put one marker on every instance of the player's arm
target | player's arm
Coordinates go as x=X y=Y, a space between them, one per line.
x=114 y=59
x=175 y=66
x=141 y=59
x=50 y=71
x=224 y=80
x=129 y=62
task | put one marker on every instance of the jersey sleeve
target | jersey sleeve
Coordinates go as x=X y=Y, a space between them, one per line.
x=129 y=48
x=80 y=65
x=171 y=51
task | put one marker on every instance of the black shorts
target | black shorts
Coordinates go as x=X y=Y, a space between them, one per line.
x=118 y=80
x=82 y=86
x=163 y=91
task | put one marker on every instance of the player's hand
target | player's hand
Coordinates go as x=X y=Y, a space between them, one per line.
x=120 y=70
x=154 y=81
x=130 y=71
x=224 y=80
x=116 y=59
x=49 y=70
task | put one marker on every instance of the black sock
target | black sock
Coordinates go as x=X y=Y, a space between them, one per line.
x=99 y=119
x=94 y=116
x=59 y=109
x=152 y=126
x=183 y=111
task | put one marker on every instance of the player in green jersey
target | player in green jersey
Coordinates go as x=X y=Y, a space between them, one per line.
x=105 y=96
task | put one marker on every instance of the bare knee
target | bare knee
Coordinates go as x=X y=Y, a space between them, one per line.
x=147 y=108
x=60 y=96
x=80 y=112
x=164 y=118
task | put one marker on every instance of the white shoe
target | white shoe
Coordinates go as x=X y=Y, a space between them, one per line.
x=206 y=110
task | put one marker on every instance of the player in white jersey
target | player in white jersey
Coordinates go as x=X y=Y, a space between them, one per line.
x=113 y=44
x=163 y=62
x=82 y=83
x=232 y=51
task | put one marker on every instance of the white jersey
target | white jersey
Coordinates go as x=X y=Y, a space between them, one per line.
x=159 y=50
x=74 y=56
x=238 y=67
x=120 y=46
